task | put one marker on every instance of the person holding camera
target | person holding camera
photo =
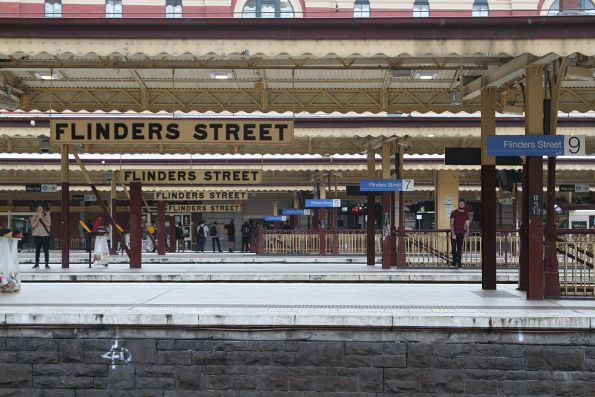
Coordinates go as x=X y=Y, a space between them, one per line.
x=40 y=225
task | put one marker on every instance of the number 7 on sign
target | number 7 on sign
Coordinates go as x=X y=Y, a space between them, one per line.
x=408 y=185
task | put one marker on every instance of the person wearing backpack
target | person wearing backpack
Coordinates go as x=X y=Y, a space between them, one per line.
x=202 y=233
x=214 y=233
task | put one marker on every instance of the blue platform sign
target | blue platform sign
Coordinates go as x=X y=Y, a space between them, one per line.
x=295 y=211
x=323 y=203
x=535 y=145
x=275 y=218
x=386 y=185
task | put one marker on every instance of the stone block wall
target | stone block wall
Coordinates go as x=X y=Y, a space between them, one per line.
x=185 y=362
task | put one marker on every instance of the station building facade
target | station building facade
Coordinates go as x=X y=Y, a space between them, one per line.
x=289 y=8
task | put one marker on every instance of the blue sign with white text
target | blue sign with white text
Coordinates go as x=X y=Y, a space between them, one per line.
x=381 y=185
x=323 y=203
x=525 y=145
x=275 y=218
x=295 y=211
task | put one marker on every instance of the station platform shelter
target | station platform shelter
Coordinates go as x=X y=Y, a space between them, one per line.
x=169 y=123
x=249 y=66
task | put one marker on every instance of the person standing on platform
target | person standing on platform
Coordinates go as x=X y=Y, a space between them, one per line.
x=40 y=224
x=231 y=235
x=214 y=232
x=180 y=237
x=246 y=231
x=202 y=233
x=459 y=229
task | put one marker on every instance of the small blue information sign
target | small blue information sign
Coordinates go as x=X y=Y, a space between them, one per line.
x=323 y=203
x=275 y=218
x=295 y=211
x=386 y=185
x=525 y=145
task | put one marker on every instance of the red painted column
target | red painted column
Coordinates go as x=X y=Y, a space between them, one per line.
x=552 y=276
x=260 y=240
x=535 y=282
x=371 y=230
x=172 y=234
x=161 y=243
x=523 y=237
x=488 y=230
x=114 y=246
x=335 y=226
x=136 y=221
x=393 y=234
x=65 y=207
x=386 y=231
x=65 y=224
x=322 y=230
x=401 y=252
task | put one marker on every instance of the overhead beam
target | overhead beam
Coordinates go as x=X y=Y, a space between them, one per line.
x=503 y=74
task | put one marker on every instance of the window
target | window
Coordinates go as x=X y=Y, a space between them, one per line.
x=173 y=8
x=53 y=8
x=421 y=8
x=361 y=9
x=480 y=8
x=113 y=9
x=267 y=9
x=579 y=7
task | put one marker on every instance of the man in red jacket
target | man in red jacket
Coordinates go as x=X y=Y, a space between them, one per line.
x=459 y=230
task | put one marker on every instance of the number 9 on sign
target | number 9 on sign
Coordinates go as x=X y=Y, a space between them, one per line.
x=574 y=145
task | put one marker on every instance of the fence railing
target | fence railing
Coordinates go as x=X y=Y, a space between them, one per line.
x=575 y=256
x=423 y=247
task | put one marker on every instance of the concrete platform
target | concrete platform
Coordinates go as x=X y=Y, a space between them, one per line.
x=262 y=272
x=208 y=267
x=369 y=306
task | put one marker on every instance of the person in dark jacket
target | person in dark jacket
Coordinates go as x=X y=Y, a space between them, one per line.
x=231 y=235
x=246 y=231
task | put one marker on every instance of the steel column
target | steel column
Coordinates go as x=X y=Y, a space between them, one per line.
x=136 y=221
x=488 y=190
x=393 y=230
x=387 y=220
x=371 y=214
x=161 y=243
x=401 y=254
x=65 y=208
x=534 y=95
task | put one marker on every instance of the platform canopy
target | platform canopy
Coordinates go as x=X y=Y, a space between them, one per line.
x=347 y=67
x=313 y=65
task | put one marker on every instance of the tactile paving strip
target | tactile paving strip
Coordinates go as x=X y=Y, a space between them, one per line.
x=334 y=307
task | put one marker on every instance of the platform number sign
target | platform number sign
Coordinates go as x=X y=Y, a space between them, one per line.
x=574 y=145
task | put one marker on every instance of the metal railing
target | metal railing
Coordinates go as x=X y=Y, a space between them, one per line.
x=422 y=247
x=575 y=250
x=291 y=242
